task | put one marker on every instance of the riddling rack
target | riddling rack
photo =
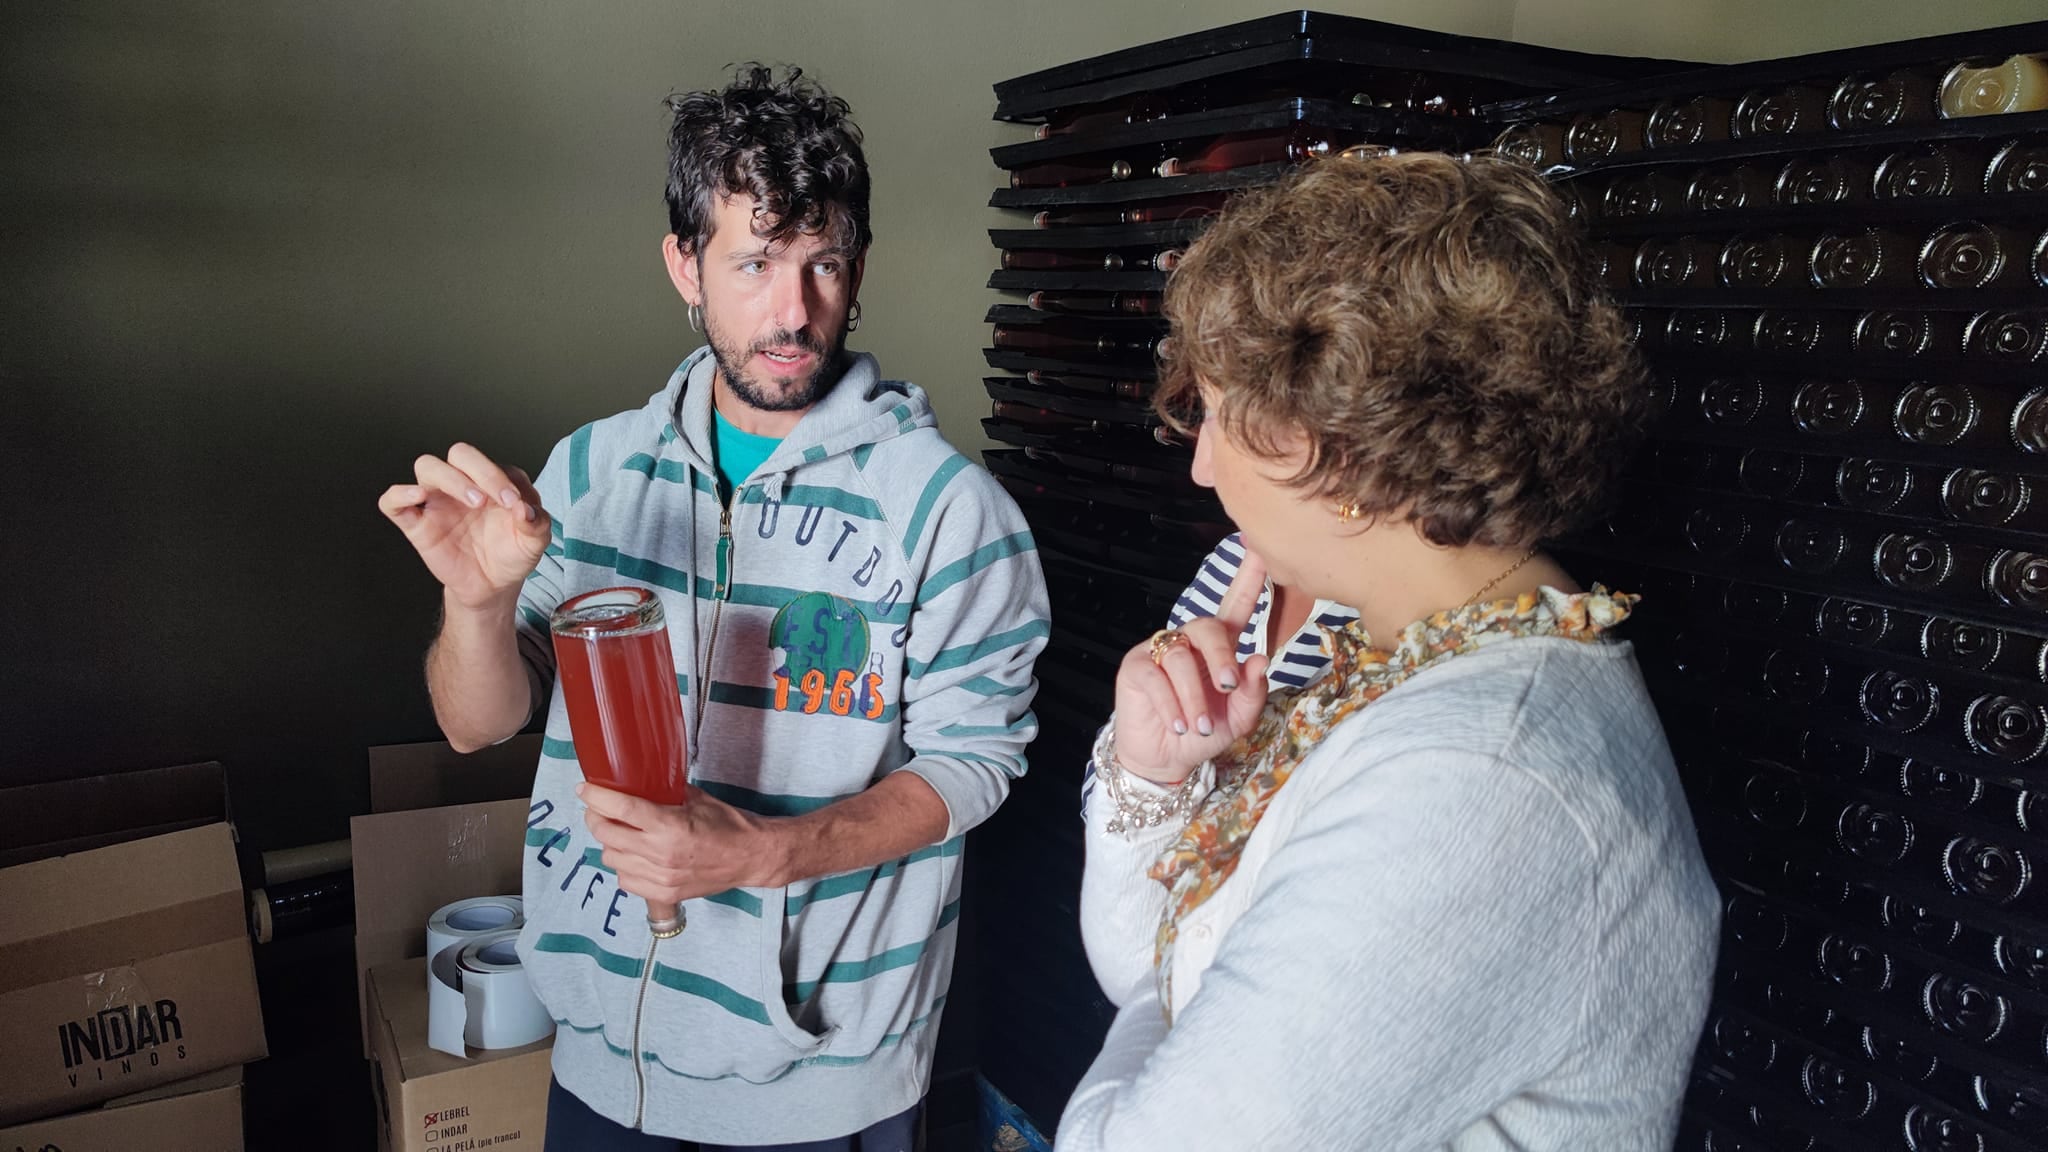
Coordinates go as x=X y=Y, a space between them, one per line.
x=1133 y=151
x=1837 y=270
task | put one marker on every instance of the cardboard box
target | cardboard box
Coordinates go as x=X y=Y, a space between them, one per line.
x=429 y=1101
x=435 y=775
x=122 y=968
x=61 y=816
x=408 y=864
x=203 y=1114
x=443 y=826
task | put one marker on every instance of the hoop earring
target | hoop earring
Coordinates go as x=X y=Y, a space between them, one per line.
x=696 y=318
x=853 y=316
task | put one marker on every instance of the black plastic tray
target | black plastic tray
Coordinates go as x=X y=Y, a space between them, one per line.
x=1130 y=458
x=1816 y=500
x=1151 y=587
x=1850 y=578
x=1108 y=440
x=1012 y=360
x=1150 y=583
x=1739 y=441
x=1804 y=143
x=1024 y=314
x=1856 y=299
x=1729 y=1116
x=1137 y=416
x=1927 y=210
x=1798 y=618
x=1015 y=463
x=1171 y=234
x=1724 y=832
x=1303 y=35
x=1731 y=79
x=1125 y=191
x=1815 y=479
x=1741 y=361
x=1022 y=280
x=1727 y=835
x=1837 y=356
x=1079 y=387
x=1932 y=829
x=1377 y=125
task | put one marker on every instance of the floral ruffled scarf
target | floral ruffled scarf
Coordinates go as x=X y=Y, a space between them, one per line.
x=1295 y=721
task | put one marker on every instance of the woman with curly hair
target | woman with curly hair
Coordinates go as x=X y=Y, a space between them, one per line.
x=1448 y=894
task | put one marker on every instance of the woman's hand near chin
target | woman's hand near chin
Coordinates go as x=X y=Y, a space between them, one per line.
x=1196 y=698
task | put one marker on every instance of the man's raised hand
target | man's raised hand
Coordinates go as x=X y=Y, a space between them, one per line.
x=480 y=528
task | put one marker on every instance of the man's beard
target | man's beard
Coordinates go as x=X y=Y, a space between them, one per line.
x=784 y=394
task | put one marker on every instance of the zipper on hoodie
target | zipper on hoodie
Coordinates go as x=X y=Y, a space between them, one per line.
x=721 y=592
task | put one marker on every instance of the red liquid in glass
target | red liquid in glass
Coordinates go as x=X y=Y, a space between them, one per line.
x=624 y=712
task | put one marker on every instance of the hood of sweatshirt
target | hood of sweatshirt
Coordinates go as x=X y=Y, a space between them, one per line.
x=856 y=413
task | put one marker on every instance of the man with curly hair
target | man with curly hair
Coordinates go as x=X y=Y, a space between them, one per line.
x=854 y=610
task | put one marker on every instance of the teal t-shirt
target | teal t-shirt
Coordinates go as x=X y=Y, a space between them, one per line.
x=739 y=453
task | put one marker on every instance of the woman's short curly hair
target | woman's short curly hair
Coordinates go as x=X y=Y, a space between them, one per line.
x=788 y=143
x=1432 y=328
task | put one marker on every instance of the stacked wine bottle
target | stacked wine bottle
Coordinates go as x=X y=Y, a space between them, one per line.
x=1108 y=194
x=1132 y=153
x=1837 y=269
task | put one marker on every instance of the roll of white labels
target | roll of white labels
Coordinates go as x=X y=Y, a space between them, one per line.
x=477 y=993
x=467 y=919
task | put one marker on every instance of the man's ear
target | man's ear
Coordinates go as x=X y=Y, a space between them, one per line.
x=683 y=269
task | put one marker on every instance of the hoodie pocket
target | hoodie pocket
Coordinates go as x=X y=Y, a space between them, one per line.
x=715 y=1009
x=778 y=983
x=563 y=969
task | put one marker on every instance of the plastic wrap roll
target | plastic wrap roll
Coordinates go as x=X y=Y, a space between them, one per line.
x=285 y=865
x=297 y=907
x=479 y=997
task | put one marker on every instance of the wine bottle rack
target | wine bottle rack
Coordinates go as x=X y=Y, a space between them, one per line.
x=1837 y=530
x=1120 y=525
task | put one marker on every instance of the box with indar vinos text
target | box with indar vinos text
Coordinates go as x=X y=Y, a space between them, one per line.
x=203 y=1114
x=122 y=968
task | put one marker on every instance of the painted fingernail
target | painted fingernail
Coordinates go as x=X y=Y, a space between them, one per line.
x=508 y=497
x=473 y=498
x=1203 y=726
x=1180 y=727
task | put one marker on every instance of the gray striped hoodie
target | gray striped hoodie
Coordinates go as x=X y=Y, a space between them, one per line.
x=871 y=601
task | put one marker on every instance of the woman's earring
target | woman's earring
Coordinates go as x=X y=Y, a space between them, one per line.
x=853 y=316
x=696 y=318
x=1349 y=512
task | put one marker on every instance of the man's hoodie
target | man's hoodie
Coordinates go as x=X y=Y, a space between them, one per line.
x=868 y=601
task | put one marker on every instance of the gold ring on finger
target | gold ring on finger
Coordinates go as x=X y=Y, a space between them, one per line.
x=1164 y=640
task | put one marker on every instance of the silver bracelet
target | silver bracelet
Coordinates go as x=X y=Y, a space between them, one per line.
x=1136 y=810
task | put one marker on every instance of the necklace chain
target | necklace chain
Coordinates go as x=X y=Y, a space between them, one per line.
x=1505 y=573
